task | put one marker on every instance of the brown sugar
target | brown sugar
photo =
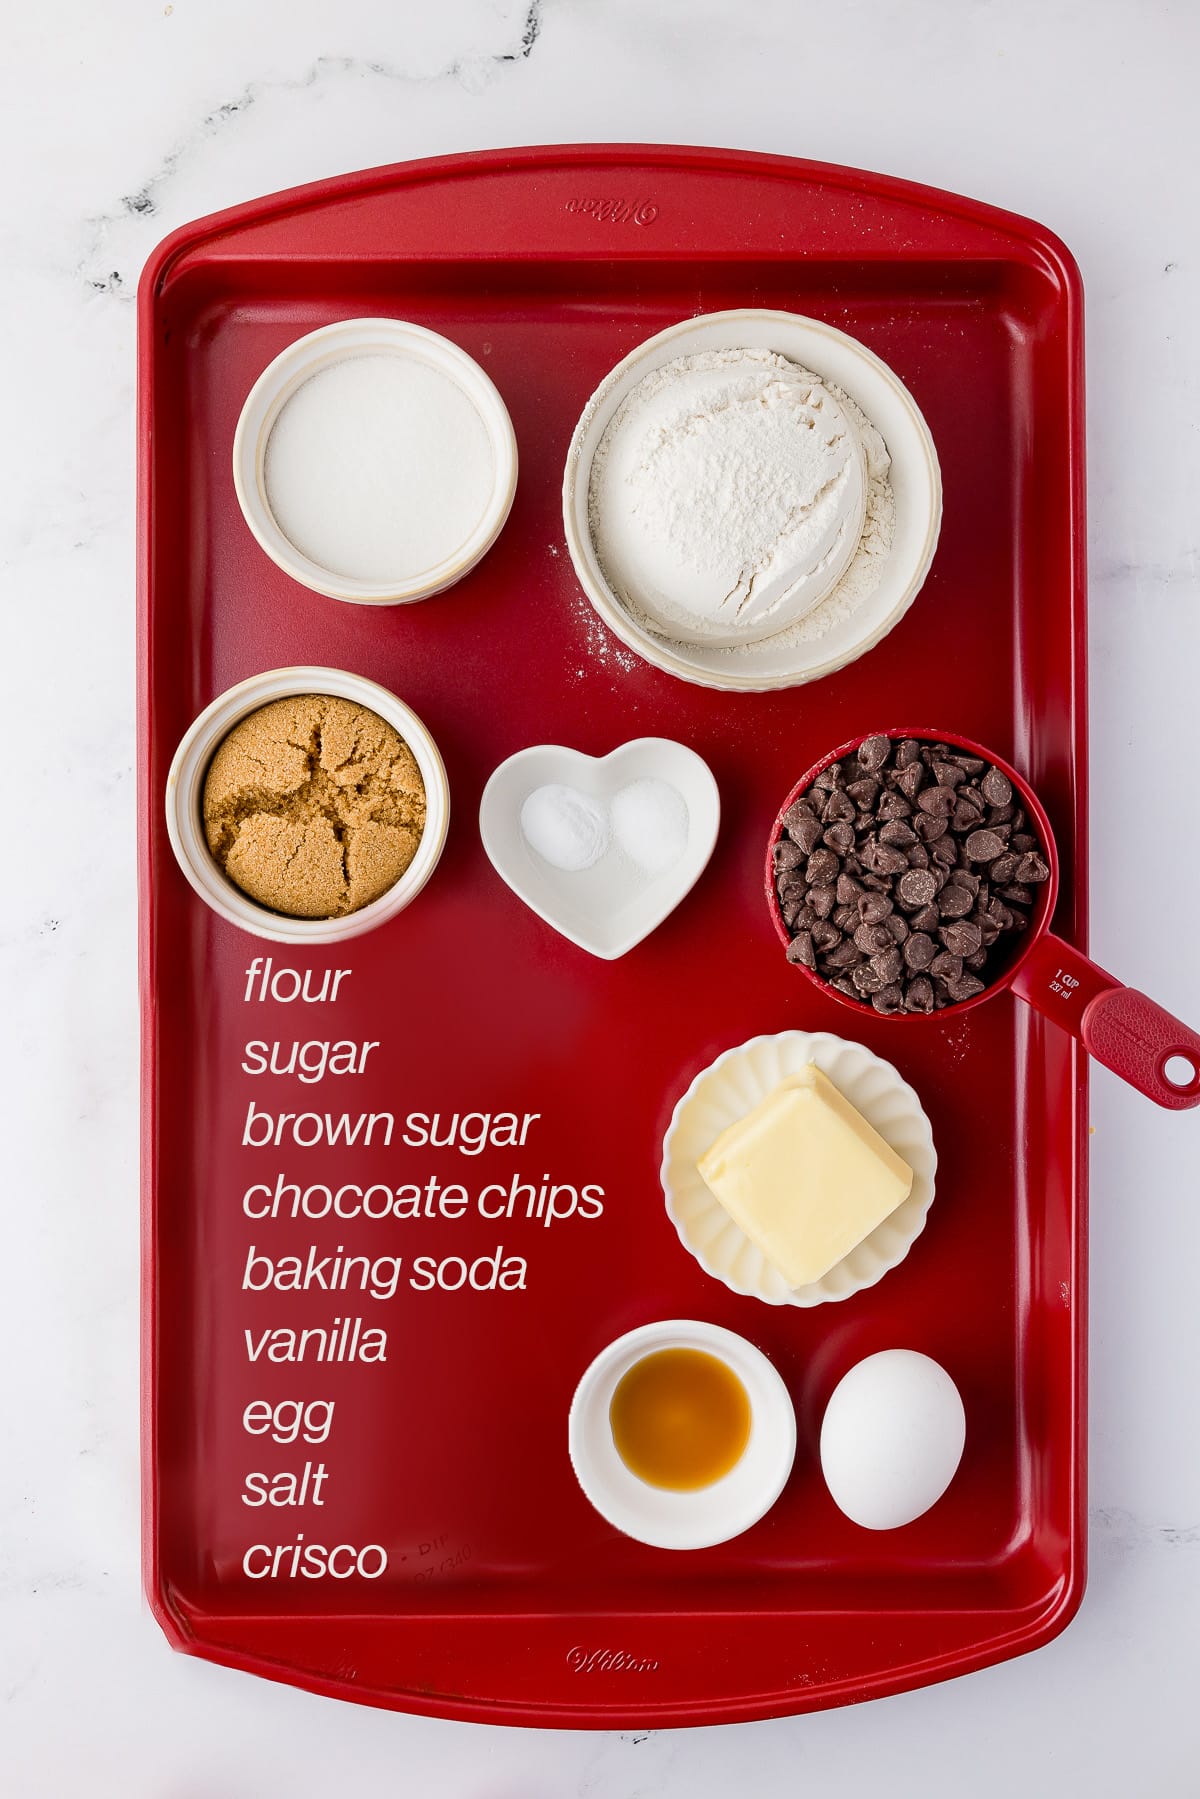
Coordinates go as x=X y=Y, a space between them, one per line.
x=313 y=806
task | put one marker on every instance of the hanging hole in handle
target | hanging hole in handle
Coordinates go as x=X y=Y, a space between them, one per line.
x=1181 y=1071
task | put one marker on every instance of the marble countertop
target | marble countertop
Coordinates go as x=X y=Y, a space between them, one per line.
x=120 y=122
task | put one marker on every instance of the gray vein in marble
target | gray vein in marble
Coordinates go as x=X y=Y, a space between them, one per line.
x=1119 y=1529
x=145 y=201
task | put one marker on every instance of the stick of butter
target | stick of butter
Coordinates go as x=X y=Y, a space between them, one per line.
x=805 y=1176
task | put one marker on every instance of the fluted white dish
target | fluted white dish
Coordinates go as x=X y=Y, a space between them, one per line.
x=734 y=1085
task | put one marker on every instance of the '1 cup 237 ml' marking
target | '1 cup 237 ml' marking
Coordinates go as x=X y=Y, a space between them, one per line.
x=608 y=1661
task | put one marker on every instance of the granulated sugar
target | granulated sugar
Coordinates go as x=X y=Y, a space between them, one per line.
x=379 y=468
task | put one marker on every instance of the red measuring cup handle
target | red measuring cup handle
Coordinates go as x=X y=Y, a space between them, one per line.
x=1148 y=1047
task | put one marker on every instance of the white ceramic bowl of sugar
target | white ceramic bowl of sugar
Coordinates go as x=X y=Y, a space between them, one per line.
x=815 y=647
x=374 y=461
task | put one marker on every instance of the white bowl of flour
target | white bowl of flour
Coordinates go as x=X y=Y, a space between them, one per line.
x=752 y=500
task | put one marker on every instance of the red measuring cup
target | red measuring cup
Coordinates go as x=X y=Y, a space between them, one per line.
x=1148 y=1047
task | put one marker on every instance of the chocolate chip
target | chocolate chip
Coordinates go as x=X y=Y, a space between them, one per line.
x=889 y=999
x=893 y=805
x=916 y=888
x=845 y=985
x=804 y=829
x=822 y=868
x=843 y=955
x=1022 y=841
x=848 y=890
x=887 y=861
x=918 y=856
x=838 y=807
x=927 y=919
x=911 y=779
x=937 y=801
x=825 y=935
x=897 y=926
x=996 y=788
x=839 y=837
x=1017 y=894
x=947 y=966
x=908 y=752
x=1031 y=870
x=866 y=978
x=966 y=987
x=955 y=901
x=864 y=792
x=800 y=949
x=873 y=907
x=945 y=851
x=1004 y=868
x=889 y=965
x=845 y=918
x=871 y=938
x=898 y=833
x=983 y=846
x=930 y=829
x=960 y=938
x=822 y=900
x=873 y=753
x=918 y=995
x=919 y=951
x=787 y=854
x=965 y=816
x=947 y=774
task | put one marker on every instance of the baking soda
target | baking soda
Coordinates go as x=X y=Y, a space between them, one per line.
x=646 y=823
x=564 y=827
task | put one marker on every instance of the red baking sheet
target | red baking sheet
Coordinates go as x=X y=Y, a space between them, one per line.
x=506 y=1598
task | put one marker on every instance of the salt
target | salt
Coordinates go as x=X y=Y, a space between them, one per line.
x=564 y=827
x=650 y=824
x=379 y=468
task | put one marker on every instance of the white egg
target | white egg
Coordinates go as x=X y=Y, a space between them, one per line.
x=892 y=1438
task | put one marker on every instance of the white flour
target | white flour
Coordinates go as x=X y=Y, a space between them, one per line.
x=735 y=496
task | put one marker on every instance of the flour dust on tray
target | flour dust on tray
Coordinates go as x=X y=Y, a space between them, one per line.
x=734 y=495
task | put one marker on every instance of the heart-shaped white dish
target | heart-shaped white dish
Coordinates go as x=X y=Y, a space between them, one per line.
x=608 y=908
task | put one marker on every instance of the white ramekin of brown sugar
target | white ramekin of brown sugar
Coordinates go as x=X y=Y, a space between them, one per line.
x=307 y=805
